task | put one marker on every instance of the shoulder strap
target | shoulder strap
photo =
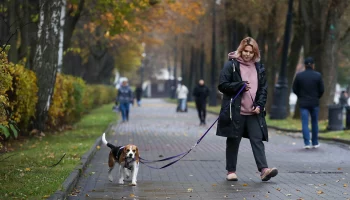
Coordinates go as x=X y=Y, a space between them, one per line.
x=234 y=64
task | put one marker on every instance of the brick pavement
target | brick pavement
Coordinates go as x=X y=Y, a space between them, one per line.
x=159 y=132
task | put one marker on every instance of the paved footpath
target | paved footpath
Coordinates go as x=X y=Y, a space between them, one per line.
x=160 y=132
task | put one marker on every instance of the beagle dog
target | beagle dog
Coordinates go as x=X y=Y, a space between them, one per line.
x=128 y=159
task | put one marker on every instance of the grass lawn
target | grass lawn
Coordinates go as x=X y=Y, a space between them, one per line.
x=25 y=172
x=289 y=123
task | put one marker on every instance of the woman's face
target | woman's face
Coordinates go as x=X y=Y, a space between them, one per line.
x=247 y=53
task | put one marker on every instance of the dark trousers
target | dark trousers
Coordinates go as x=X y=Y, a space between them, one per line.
x=249 y=124
x=201 y=109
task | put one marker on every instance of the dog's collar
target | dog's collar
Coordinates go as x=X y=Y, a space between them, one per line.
x=127 y=164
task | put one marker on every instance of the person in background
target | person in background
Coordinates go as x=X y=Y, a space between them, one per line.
x=138 y=94
x=343 y=99
x=124 y=99
x=200 y=93
x=309 y=88
x=182 y=93
x=245 y=115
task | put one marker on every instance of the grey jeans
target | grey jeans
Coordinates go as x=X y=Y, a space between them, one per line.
x=249 y=124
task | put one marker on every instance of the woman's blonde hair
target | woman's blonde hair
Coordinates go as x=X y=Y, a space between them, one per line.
x=248 y=41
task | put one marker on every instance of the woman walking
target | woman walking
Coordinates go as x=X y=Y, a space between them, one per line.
x=245 y=115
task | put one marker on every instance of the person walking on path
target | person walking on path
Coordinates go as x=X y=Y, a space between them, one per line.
x=124 y=98
x=343 y=99
x=308 y=86
x=182 y=93
x=200 y=93
x=138 y=94
x=245 y=116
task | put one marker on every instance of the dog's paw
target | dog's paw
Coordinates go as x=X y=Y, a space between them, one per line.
x=121 y=182
x=110 y=178
x=133 y=184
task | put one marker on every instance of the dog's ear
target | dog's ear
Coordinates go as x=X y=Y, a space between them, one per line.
x=126 y=149
x=137 y=155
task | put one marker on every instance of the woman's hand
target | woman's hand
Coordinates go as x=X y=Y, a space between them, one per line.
x=256 y=110
x=247 y=86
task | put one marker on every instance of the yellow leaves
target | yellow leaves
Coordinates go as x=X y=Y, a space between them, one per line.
x=345 y=185
x=98 y=147
x=245 y=185
x=320 y=192
x=27 y=169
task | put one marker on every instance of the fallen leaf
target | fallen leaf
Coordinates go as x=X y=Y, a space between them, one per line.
x=278 y=189
x=27 y=169
x=98 y=147
x=298 y=190
x=339 y=168
x=300 y=199
x=345 y=185
x=87 y=195
x=132 y=195
x=245 y=184
x=288 y=195
x=213 y=185
x=189 y=190
x=320 y=192
x=266 y=196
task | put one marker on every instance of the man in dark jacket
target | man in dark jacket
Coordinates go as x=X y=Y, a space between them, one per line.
x=138 y=94
x=201 y=92
x=308 y=86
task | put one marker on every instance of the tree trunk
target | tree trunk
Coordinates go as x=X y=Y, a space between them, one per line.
x=70 y=22
x=324 y=45
x=271 y=56
x=46 y=55
x=192 y=71
x=294 y=55
x=61 y=36
x=13 y=55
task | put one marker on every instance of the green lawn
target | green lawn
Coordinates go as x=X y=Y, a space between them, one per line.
x=26 y=173
x=289 y=123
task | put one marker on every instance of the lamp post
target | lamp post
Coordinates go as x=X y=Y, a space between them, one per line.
x=212 y=101
x=142 y=70
x=280 y=96
x=174 y=86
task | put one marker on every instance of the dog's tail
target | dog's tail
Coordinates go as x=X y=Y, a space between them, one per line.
x=106 y=143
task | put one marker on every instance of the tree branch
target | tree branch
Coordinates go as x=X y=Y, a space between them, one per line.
x=58 y=161
x=13 y=34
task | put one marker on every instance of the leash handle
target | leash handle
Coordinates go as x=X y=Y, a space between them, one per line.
x=144 y=161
